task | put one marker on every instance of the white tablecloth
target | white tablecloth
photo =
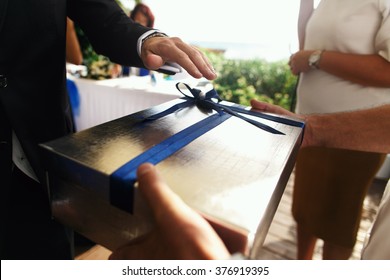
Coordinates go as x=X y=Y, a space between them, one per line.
x=106 y=100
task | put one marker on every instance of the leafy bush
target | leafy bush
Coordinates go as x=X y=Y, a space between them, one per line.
x=240 y=81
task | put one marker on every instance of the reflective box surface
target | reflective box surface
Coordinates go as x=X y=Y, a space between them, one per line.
x=234 y=175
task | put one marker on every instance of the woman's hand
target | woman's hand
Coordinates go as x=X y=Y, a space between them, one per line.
x=299 y=62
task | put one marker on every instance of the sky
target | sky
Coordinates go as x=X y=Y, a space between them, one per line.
x=266 y=27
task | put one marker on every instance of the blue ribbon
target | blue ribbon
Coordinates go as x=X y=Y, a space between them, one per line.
x=211 y=101
x=122 y=180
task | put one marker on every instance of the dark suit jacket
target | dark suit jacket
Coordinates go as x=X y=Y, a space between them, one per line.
x=32 y=58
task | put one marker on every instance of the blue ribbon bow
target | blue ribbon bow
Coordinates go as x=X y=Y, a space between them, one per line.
x=212 y=101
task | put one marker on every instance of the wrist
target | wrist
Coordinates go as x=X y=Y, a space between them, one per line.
x=315 y=59
x=146 y=36
x=313 y=135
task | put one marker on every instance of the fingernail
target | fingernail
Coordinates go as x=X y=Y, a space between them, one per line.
x=213 y=73
x=144 y=168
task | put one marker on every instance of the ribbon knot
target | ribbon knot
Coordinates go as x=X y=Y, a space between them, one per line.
x=202 y=100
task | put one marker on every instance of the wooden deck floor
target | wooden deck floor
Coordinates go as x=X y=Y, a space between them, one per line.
x=280 y=242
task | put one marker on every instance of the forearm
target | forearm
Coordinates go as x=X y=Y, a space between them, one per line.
x=73 y=51
x=111 y=32
x=365 y=130
x=366 y=70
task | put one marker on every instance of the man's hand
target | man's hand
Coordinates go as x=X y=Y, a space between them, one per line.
x=181 y=233
x=158 y=50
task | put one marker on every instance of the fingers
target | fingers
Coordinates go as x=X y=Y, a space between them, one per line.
x=158 y=50
x=159 y=196
x=292 y=64
x=166 y=205
x=184 y=230
x=269 y=108
x=299 y=62
x=258 y=105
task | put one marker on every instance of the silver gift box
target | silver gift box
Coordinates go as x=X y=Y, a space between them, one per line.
x=234 y=175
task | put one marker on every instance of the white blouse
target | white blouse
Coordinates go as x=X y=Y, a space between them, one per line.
x=348 y=26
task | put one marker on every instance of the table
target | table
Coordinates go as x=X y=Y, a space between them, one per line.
x=106 y=100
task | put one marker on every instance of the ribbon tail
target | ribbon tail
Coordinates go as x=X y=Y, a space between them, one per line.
x=273 y=118
x=169 y=111
x=253 y=122
x=261 y=125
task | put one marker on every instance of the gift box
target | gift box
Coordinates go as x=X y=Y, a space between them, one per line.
x=230 y=167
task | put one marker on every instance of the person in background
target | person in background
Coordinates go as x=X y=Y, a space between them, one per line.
x=181 y=233
x=143 y=15
x=34 y=107
x=344 y=65
x=73 y=50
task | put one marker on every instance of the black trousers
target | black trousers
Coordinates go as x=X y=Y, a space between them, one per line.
x=28 y=230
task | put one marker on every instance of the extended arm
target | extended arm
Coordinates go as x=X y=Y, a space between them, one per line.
x=365 y=130
x=113 y=34
x=73 y=51
x=363 y=69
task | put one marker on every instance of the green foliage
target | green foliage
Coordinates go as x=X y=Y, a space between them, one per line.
x=240 y=81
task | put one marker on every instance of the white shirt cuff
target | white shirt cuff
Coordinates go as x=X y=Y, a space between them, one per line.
x=142 y=37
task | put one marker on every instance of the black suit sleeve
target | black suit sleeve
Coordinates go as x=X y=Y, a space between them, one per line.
x=111 y=32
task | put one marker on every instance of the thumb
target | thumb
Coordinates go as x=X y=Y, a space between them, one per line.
x=153 y=61
x=156 y=192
